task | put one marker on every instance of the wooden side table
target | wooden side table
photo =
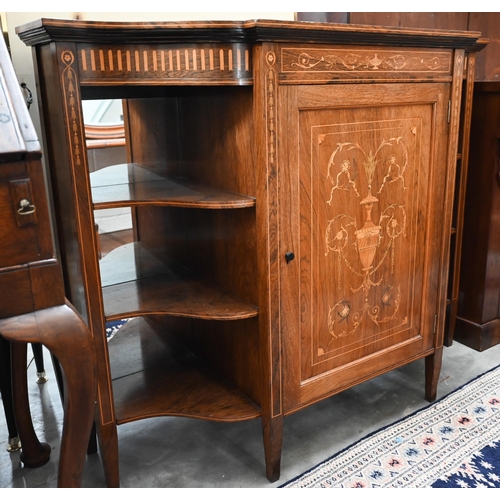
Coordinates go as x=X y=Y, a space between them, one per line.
x=33 y=307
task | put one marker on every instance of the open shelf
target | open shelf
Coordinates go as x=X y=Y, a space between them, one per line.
x=137 y=283
x=152 y=377
x=129 y=184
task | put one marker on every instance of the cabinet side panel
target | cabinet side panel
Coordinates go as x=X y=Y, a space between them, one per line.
x=58 y=158
x=62 y=117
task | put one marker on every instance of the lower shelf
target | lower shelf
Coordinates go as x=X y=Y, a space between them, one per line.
x=152 y=378
x=135 y=282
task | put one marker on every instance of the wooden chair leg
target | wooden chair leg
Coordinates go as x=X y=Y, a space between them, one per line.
x=70 y=341
x=92 y=446
x=66 y=336
x=40 y=366
x=34 y=453
x=13 y=443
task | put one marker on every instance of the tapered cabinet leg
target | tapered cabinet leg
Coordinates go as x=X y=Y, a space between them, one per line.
x=432 y=370
x=34 y=453
x=273 y=440
x=108 y=444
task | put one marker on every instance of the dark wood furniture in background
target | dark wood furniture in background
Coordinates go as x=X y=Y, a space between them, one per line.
x=292 y=188
x=33 y=307
x=478 y=321
x=445 y=21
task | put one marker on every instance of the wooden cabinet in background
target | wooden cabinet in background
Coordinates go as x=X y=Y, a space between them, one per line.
x=478 y=321
x=292 y=188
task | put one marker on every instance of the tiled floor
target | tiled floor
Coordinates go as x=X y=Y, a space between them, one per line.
x=181 y=453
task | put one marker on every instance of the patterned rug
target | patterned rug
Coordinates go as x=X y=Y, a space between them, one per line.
x=112 y=327
x=452 y=443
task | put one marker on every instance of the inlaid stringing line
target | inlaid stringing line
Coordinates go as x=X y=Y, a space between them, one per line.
x=221 y=55
x=84 y=60
x=128 y=60
x=137 y=62
x=178 y=53
x=101 y=60
x=155 y=62
x=110 y=57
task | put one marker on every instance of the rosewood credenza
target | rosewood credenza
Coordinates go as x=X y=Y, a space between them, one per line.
x=291 y=188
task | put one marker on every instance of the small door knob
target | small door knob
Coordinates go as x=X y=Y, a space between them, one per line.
x=289 y=256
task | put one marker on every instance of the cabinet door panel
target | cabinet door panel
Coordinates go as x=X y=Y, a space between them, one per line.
x=364 y=213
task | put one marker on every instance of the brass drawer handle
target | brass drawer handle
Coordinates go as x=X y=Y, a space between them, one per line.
x=25 y=207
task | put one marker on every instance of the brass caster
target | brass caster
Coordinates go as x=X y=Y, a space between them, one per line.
x=14 y=444
x=42 y=377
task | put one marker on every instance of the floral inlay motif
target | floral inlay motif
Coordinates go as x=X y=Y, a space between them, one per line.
x=372 y=62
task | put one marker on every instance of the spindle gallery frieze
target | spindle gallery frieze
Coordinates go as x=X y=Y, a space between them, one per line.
x=211 y=63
